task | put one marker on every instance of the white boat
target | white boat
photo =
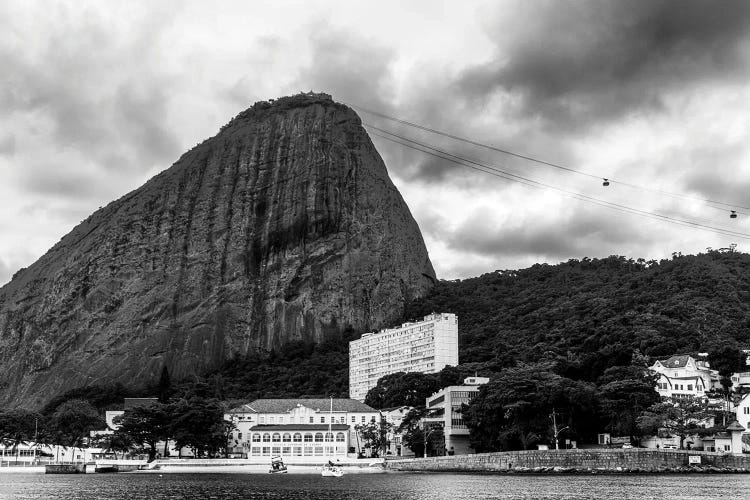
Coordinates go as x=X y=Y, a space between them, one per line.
x=330 y=469
x=277 y=466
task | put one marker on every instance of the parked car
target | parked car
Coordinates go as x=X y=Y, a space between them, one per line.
x=627 y=446
x=670 y=446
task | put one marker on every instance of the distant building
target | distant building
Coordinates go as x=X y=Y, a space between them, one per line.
x=299 y=428
x=445 y=409
x=685 y=377
x=426 y=346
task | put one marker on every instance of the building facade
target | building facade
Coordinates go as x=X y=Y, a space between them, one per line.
x=426 y=346
x=683 y=377
x=299 y=428
x=445 y=410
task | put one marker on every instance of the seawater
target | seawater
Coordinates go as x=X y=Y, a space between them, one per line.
x=388 y=486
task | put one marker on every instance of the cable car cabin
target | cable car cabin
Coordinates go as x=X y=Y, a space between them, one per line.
x=605 y=183
x=733 y=215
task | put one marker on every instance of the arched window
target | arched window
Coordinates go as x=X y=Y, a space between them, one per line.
x=340 y=437
x=276 y=437
x=266 y=437
x=287 y=438
x=318 y=437
x=308 y=438
x=297 y=438
x=329 y=437
x=256 y=437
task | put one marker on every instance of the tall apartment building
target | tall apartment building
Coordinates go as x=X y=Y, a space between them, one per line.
x=426 y=346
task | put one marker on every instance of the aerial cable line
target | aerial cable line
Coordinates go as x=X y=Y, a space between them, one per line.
x=722 y=205
x=489 y=169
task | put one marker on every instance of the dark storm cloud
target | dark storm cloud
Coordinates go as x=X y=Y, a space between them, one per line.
x=572 y=64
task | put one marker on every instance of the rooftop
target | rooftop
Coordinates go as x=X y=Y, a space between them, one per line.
x=286 y=405
x=299 y=427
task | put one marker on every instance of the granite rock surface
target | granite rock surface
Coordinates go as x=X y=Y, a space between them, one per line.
x=284 y=226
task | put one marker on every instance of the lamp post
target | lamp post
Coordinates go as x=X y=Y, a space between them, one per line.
x=557 y=431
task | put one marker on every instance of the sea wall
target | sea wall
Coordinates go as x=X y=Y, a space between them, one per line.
x=630 y=460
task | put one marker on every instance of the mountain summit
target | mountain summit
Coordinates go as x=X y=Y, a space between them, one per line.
x=284 y=226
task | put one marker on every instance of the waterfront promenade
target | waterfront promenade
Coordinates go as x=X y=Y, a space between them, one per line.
x=580 y=460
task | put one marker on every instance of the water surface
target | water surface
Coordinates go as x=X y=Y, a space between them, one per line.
x=390 y=486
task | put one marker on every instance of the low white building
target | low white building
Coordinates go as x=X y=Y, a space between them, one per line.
x=299 y=428
x=445 y=409
x=683 y=376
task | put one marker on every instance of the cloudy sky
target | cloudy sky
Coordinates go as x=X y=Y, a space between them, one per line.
x=97 y=97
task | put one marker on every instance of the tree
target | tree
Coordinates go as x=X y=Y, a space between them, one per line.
x=375 y=436
x=199 y=424
x=73 y=422
x=412 y=435
x=145 y=425
x=402 y=389
x=114 y=442
x=624 y=392
x=681 y=417
x=513 y=410
x=16 y=427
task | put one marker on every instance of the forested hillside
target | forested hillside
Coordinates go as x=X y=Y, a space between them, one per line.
x=593 y=313
x=584 y=315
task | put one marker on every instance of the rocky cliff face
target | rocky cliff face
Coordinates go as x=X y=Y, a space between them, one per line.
x=284 y=226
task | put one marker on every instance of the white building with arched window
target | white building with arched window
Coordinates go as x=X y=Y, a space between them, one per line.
x=299 y=428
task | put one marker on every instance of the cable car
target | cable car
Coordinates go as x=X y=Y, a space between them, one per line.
x=605 y=183
x=733 y=215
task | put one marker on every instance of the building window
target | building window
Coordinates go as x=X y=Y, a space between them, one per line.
x=690 y=387
x=318 y=437
x=256 y=437
x=354 y=419
x=239 y=435
x=322 y=420
x=270 y=420
x=308 y=438
x=340 y=437
x=329 y=437
x=363 y=419
x=297 y=438
x=342 y=420
x=276 y=438
x=262 y=420
x=746 y=410
x=312 y=420
x=287 y=438
x=266 y=437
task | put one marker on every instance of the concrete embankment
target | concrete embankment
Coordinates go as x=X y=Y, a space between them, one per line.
x=572 y=461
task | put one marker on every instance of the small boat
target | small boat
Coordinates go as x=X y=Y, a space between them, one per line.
x=277 y=466
x=332 y=471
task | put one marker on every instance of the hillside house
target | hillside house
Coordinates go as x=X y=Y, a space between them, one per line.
x=684 y=376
